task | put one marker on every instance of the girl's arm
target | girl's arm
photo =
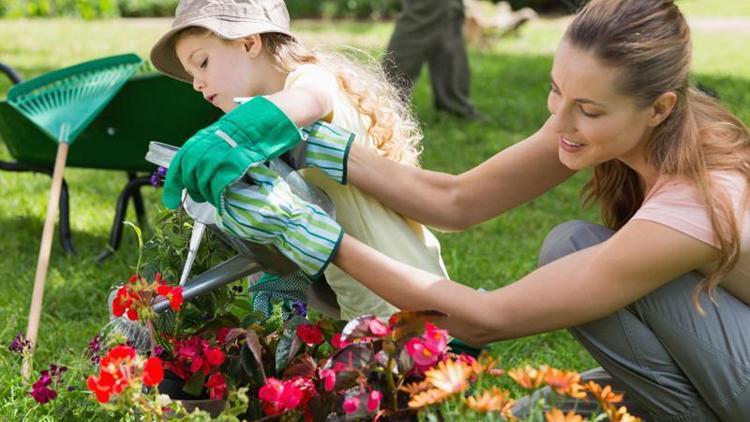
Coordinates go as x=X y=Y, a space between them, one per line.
x=303 y=105
x=510 y=178
x=577 y=288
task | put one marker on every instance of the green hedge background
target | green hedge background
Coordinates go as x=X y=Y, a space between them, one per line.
x=352 y=9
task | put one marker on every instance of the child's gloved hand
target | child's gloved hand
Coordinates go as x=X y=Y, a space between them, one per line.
x=326 y=147
x=219 y=154
x=267 y=212
x=272 y=288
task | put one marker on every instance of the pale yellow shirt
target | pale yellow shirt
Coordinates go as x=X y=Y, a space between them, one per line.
x=362 y=216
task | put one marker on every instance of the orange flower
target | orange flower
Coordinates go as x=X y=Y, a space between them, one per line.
x=556 y=415
x=495 y=400
x=528 y=377
x=486 y=364
x=620 y=415
x=565 y=382
x=449 y=376
x=605 y=396
x=426 y=398
x=416 y=387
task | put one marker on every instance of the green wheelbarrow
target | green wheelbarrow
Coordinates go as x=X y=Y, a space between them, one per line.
x=149 y=107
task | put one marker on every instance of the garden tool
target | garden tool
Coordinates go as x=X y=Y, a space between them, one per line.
x=251 y=258
x=62 y=103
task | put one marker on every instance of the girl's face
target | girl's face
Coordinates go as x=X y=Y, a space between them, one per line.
x=594 y=122
x=225 y=69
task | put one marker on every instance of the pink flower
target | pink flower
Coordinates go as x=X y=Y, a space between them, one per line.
x=435 y=339
x=351 y=405
x=423 y=356
x=377 y=328
x=310 y=334
x=279 y=396
x=373 y=400
x=270 y=397
x=329 y=378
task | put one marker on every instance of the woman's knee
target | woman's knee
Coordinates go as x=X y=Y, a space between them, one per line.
x=570 y=237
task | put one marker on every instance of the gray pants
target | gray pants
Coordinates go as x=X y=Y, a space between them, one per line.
x=672 y=363
x=431 y=31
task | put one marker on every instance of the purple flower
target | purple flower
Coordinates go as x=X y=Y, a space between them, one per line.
x=157 y=177
x=20 y=344
x=299 y=308
x=94 y=349
x=41 y=391
x=158 y=350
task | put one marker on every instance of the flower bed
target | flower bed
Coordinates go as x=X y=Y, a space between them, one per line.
x=214 y=358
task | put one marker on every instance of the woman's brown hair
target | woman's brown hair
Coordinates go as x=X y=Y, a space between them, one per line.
x=649 y=41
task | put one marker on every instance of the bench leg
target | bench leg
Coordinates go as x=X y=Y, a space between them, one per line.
x=115 y=235
x=64 y=222
x=140 y=210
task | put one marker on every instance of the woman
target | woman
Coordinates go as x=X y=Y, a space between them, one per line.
x=668 y=282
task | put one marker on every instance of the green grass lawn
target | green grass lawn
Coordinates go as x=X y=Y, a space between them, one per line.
x=509 y=83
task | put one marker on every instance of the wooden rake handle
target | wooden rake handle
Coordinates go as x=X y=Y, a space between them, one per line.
x=45 y=249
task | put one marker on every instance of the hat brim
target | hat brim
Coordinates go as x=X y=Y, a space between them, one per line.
x=164 y=57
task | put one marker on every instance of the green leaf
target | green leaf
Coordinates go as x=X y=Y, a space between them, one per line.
x=194 y=385
x=138 y=233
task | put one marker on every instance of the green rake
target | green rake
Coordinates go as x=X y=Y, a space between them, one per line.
x=62 y=103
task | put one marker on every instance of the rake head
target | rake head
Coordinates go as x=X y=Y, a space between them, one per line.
x=65 y=101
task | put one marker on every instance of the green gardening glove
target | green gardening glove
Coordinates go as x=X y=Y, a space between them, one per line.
x=219 y=154
x=272 y=288
x=325 y=147
x=267 y=212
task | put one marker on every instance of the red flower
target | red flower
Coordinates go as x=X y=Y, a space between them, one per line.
x=221 y=335
x=270 y=394
x=217 y=386
x=215 y=356
x=153 y=372
x=337 y=342
x=123 y=303
x=171 y=293
x=118 y=355
x=101 y=386
x=310 y=334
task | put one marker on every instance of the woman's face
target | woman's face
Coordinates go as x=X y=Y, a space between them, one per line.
x=223 y=70
x=594 y=123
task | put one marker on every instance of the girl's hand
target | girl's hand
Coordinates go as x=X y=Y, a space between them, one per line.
x=267 y=212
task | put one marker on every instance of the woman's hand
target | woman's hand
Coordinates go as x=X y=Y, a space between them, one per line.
x=577 y=288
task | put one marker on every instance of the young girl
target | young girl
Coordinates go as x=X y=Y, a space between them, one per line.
x=241 y=48
x=660 y=296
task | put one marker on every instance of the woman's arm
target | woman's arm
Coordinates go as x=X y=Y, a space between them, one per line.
x=577 y=288
x=513 y=176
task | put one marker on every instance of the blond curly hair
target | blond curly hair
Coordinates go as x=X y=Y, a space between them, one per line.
x=390 y=122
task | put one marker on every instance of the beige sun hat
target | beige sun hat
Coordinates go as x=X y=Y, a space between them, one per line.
x=229 y=19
